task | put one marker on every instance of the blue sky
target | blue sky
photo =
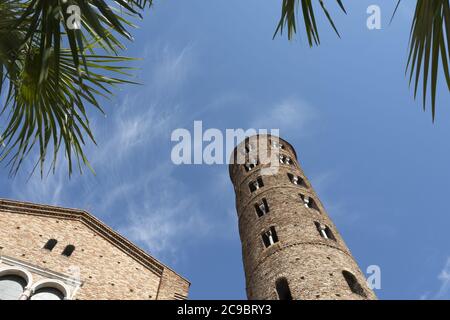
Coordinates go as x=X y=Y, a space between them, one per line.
x=376 y=160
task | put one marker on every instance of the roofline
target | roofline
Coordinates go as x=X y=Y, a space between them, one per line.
x=99 y=227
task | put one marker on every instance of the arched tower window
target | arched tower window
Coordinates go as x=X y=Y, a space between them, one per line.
x=251 y=165
x=256 y=185
x=285 y=160
x=283 y=291
x=262 y=208
x=248 y=146
x=309 y=202
x=50 y=244
x=298 y=181
x=324 y=231
x=68 y=250
x=47 y=294
x=11 y=287
x=270 y=237
x=353 y=283
x=277 y=145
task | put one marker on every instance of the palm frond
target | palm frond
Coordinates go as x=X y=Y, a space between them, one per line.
x=41 y=114
x=50 y=74
x=289 y=18
x=429 y=46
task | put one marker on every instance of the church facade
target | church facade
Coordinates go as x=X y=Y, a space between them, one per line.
x=53 y=253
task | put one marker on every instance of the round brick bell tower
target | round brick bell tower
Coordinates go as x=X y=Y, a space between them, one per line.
x=291 y=249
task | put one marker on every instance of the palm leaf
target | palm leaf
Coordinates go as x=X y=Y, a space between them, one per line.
x=50 y=74
x=429 y=46
x=289 y=18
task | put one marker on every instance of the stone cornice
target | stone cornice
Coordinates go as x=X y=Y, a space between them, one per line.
x=91 y=222
x=46 y=273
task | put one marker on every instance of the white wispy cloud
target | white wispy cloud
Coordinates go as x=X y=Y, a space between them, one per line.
x=290 y=114
x=165 y=221
x=444 y=278
x=170 y=68
x=443 y=292
x=136 y=188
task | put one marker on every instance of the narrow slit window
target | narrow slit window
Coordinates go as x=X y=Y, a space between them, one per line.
x=256 y=185
x=270 y=237
x=353 y=283
x=324 y=231
x=262 y=208
x=50 y=244
x=68 y=250
x=283 y=290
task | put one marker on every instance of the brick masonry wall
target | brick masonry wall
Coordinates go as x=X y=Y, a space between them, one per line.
x=107 y=272
x=172 y=286
x=312 y=264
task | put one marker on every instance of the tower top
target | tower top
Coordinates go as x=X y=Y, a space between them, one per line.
x=269 y=138
x=249 y=147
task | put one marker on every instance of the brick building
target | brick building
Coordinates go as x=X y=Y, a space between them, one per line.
x=57 y=253
x=291 y=249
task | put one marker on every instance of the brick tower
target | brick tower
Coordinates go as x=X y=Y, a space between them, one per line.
x=290 y=247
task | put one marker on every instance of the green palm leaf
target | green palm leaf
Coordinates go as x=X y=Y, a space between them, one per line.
x=50 y=74
x=289 y=18
x=429 y=43
x=429 y=46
